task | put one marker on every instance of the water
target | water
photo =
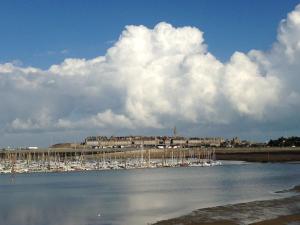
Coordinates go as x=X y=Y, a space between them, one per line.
x=136 y=196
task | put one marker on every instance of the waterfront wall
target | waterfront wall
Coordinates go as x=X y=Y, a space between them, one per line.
x=265 y=154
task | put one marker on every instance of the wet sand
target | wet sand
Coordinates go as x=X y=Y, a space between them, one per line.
x=283 y=211
x=281 y=220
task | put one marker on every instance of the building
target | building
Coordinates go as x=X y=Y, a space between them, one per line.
x=150 y=141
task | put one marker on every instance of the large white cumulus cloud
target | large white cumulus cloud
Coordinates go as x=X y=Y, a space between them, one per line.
x=155 y=78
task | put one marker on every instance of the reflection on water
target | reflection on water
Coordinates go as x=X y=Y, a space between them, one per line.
x=136 y=196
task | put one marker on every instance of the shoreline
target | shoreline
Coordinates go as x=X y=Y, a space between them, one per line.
x=251 y=154
x=154 y=165
x=61 y=167
x=263 y=155
x=279 y=211
x=67 y=160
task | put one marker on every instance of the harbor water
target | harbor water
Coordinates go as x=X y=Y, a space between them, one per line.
x=137 y=196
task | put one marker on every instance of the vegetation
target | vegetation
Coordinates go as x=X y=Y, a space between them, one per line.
x=285 y=142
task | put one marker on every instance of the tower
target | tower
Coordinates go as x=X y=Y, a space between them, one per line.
x=174 y=131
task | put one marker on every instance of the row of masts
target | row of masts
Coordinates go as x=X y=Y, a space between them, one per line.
x=81 y=160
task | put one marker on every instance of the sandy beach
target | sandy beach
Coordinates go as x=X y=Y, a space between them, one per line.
x=283 y=211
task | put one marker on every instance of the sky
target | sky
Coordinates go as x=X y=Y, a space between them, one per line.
x=69 y=69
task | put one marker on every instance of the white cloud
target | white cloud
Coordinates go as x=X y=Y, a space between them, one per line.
x=105 y=119
x=249 y=91
x=155 y=78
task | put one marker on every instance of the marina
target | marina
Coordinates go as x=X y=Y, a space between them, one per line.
x=64 y=161
x=76 y=159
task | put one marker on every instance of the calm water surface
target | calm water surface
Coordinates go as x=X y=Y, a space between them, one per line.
x=136 y=196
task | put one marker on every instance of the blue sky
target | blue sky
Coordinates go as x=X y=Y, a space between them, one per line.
x=42 y=33
x=70 y=69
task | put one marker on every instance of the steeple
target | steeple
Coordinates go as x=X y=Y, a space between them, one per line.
x=174 y=131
